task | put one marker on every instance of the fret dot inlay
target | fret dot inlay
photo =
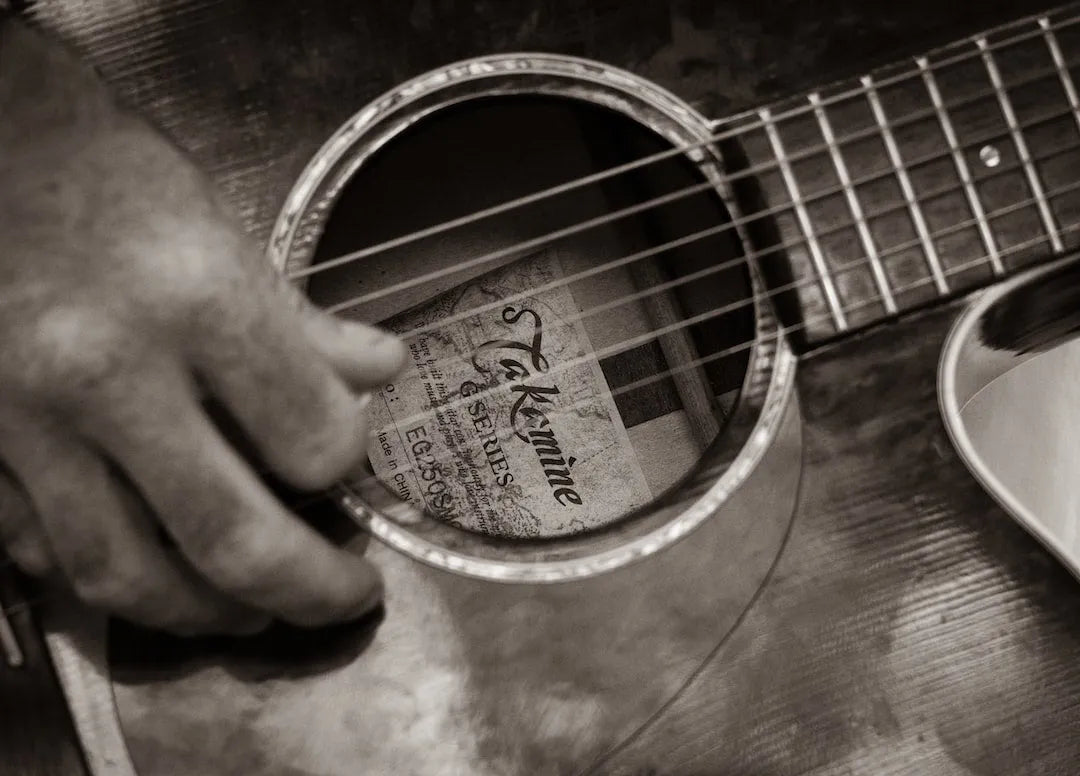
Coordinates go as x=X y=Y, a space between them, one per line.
x=990 y=156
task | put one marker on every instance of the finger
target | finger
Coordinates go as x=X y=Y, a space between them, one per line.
x=103 y=541
x=287 y=397
x=222 y=517
x=20 y=534
x=365 y=356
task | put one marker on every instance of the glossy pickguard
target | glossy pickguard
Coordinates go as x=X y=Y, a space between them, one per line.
x=1010 y=398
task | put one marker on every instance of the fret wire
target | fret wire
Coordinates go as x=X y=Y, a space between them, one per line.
x=348 y=303
x=5 y=629
x=906 y=187
x=1021 y=147
x=13 y=653
x=961 y=165
x=861 y=225
x=781 y=331
x=803 y=216
x=841 y=269
x=1062 y=68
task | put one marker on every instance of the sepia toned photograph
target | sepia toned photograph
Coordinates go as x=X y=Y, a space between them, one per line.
x=539 y=388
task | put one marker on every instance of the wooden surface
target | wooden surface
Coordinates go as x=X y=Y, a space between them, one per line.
x=910 y=625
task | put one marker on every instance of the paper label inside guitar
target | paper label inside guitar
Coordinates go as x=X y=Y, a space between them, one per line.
x=502 y=421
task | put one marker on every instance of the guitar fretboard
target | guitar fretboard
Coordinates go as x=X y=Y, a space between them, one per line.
x=928 y=178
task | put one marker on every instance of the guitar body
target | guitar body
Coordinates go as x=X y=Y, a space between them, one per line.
x=907 y=624
x=859 y=605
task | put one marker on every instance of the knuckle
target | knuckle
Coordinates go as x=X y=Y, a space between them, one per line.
x=213 y=290
x=75 y=351
x=207 y=293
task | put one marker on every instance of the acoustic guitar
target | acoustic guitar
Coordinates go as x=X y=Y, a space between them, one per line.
x=735 y=434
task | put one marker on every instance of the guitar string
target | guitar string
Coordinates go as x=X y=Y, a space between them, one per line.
x=712 y=357
x=734 y=306
x=745 y=260
x=743 y=303
x=673 y=152
x=778 y=333
x=549 y=238
x=837 y=270
x=766 y=252
x=728 y=134
x=417 y=236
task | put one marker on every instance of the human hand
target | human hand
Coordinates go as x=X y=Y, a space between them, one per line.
x=126 y=296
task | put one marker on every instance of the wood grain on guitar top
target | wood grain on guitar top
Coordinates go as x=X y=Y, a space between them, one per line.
x=910 y=625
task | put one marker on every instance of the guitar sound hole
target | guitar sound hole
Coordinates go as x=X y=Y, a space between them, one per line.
x=554 y=388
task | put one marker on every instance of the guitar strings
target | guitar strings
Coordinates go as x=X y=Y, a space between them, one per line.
x=980 y=261
x=778 y=333
x=728 y=134
x=839 y=269
x=744 y=260
x=35 y=602
x=757 y=255
x=583 y=226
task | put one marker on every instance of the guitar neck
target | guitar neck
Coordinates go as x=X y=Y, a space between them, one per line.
x=925 y=179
